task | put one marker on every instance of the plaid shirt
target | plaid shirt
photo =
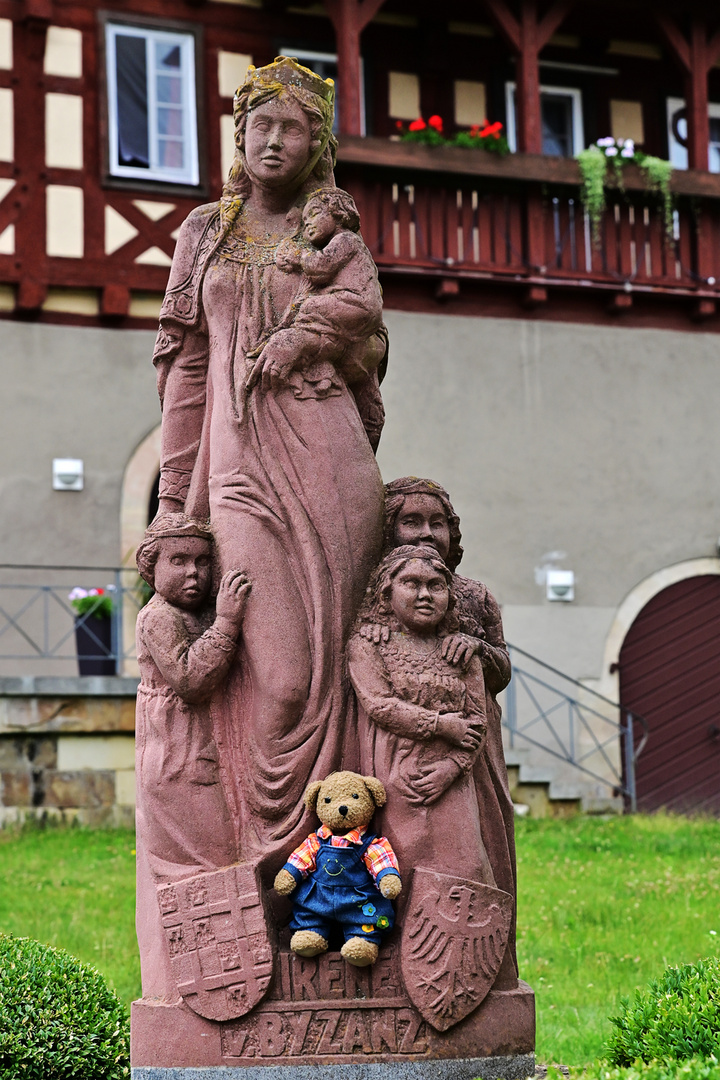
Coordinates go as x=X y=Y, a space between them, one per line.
x=379 y=858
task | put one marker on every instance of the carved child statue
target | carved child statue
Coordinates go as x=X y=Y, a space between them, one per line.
x=423 y=717
x=339 y=305
x=184 y=648
x=343 y=873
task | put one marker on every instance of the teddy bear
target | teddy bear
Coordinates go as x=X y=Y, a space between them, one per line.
x=343 y=873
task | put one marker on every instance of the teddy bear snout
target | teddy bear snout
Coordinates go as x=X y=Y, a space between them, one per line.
x=343 y=810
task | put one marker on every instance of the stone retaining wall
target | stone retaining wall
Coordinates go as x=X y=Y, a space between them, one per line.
x=67 y=749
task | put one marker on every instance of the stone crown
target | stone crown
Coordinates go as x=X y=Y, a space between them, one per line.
x=287 y=70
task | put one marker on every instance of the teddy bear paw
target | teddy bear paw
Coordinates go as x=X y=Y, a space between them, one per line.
x=308 y=943
x=359 y=952
x=284 y=882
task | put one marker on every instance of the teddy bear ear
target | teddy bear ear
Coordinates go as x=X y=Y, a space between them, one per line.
x=311 y=794
x=376 y=789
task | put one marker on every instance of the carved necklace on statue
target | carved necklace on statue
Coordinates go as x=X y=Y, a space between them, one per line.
x=238 y=247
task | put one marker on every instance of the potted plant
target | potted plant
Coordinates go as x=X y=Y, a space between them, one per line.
x=483 y=136
x=93 y=630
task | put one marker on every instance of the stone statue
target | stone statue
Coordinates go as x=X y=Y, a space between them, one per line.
x=269 y=356
x=271 y=446
x=185 y=648
x=419 y=511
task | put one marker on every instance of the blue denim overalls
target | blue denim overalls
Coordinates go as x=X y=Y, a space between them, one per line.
x=341 y=890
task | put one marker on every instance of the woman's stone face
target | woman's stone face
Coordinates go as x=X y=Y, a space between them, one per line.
x=419 y=596
x=277 y=141
x=422 y=520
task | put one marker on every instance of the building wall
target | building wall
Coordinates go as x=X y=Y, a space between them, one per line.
x=600 y=443
x=77 y=392
x=593 y=449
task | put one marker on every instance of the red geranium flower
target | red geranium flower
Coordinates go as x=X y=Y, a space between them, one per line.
x=436 y=123
x=491 y=129
x=399 y=125
x=417 y=125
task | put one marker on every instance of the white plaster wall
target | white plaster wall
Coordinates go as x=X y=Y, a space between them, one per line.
x=69 y=392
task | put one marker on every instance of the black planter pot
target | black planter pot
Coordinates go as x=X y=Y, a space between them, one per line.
x=93 y=637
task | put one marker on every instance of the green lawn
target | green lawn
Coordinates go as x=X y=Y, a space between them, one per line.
x=604 y=906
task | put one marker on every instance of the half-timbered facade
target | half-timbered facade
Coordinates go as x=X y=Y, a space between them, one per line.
x=562 y=387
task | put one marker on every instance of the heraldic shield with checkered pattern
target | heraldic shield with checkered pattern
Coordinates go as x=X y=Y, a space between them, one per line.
x=216 y=933
x=453 y=942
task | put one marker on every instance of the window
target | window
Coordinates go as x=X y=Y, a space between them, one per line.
x=325 y=65
x=561 y=116
x=152 y=122
x=677 y=126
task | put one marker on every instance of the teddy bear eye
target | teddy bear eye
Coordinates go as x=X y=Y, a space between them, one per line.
x=327 y=800
x=356 y=796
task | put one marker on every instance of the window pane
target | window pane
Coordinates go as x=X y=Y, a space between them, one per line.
x=169 y=89
x=167 y=56
x=132 y=104
x=170 y=152
x=169 y=121
x=557 y=124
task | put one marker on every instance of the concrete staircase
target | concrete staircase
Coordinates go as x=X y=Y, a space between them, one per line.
x=534 y=791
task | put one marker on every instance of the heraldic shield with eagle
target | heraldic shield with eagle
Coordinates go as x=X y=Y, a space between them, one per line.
x=309 y=651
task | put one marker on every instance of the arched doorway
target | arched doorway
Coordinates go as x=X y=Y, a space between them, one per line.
x=669 y=667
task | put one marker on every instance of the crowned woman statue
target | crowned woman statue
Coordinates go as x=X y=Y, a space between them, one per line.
x=280 y=461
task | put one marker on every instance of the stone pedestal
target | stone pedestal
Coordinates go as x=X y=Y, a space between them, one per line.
x=339 y=1022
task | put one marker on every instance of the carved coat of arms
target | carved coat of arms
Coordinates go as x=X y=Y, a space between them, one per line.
x=453 y=943
x=216 y=933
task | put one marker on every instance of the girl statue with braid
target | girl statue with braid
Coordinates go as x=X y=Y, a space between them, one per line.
x=419 y=512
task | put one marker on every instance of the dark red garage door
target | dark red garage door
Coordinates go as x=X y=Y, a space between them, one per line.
x=670 y=674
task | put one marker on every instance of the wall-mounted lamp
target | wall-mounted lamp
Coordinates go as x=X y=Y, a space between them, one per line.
x=67 y=474
x=560 y=585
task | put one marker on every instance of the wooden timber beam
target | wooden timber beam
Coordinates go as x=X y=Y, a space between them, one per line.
x=349 y=18
x=696 y=56
x=527 y=36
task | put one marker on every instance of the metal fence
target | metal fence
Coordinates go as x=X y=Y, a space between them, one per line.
x=568 y=721
x=41 y=633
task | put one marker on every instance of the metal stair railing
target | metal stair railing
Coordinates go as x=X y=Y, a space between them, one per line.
x=573 y=723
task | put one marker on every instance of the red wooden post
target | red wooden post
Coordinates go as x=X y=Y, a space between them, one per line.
x=696 y=57
x=29 y=48
x=527 y=37
x=527 y=91
x=697 y=98
x=349 y=18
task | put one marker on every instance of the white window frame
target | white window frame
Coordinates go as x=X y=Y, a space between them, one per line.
x=190 y=174
x=678 y=154
x=575 y=95
x=306 y=57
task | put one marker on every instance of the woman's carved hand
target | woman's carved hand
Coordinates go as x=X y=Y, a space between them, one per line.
x=433 y=781
x=375 y=632
x=459 y=649
x=452 y=727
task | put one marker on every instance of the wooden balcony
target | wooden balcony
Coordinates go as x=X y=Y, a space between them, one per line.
x=463 y=215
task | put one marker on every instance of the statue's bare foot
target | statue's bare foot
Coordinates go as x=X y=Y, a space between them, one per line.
x=308 y=943
x=359 y=953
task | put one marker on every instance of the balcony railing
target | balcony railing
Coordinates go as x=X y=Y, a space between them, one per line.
x=468 y=214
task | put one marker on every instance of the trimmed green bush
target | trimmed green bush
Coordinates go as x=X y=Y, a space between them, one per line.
x=58 y=1018
x=676 y=1018
x=696 y=1068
